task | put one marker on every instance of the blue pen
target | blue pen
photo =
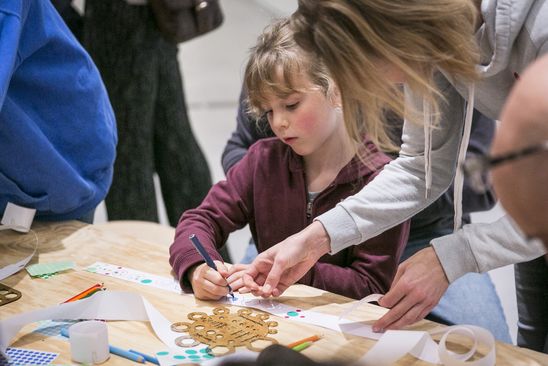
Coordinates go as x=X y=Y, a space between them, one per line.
x=200 y=248
x=115 y=350
x=151 y=359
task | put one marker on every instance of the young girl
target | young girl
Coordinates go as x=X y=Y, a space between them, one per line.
x=283 y=183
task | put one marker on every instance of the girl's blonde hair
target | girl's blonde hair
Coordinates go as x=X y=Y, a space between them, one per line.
x=417 y=37
x=275 y=63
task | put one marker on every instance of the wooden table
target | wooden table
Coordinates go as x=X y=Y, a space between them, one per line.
x=144 y=246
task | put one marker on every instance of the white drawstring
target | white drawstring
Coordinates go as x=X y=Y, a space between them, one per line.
x=459 y=177
x=427 y=115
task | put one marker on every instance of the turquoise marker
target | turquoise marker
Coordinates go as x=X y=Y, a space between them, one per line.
x=115 y=350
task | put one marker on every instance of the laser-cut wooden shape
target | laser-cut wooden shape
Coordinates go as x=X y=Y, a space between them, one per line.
x=8 y=294
x=223 y=331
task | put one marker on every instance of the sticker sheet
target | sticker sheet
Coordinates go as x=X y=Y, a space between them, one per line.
x=22 y=356
x=132 y=275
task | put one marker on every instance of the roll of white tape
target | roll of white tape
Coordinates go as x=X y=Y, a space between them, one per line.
x=89 y=342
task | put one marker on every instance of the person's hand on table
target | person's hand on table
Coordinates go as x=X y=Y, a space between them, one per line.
x=277 y=268
x=235 y=277
x=207 y=283
x=419 y=284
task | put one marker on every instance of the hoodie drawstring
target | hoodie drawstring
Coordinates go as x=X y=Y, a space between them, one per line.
x=427 y=115
x=459 y=177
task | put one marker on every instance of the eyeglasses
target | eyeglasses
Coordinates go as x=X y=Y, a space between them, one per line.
x=476 y=168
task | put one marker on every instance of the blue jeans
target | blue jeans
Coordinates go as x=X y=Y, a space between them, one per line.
x=471 y=299
x=250 y=253
x=532 y=296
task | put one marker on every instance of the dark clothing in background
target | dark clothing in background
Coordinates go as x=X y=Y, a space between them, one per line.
x=74 y=21
x=142 y=76
x=532 y=295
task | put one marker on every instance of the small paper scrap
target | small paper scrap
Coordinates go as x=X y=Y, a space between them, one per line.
x=41 y=269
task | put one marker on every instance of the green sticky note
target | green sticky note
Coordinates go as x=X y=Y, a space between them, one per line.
x=40 y=269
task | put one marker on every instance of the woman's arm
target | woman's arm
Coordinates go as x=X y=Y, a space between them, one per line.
x=394 y=196
x=369 y=267
x=398 y=192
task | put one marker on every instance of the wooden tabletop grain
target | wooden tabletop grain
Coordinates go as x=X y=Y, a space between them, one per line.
x=144 y=246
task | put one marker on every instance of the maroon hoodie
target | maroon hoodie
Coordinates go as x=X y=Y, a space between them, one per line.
x=267 y=190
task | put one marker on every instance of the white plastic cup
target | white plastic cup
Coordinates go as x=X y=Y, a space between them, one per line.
x=89 y=342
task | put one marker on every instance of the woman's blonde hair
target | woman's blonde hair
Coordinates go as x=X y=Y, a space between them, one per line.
x=275 y=63
x=417 y=37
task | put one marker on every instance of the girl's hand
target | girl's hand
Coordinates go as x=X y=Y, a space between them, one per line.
x=235 y=279
x=280 y=266
x=207 y=283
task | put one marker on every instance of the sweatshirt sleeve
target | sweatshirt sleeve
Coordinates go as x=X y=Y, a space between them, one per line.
x=10 y=33
x=370 y=268
x=226 y=208
x=248 y=131
x=398 y=192
x=481 y=137
x=483 y=247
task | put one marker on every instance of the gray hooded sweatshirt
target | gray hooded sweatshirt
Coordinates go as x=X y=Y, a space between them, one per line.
x=514 y=34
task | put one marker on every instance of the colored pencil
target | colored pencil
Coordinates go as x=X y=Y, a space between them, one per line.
x=313 y=338
x=205 y=255
x=84 y=293
x=94 y=291
x=301 y=346
x=151 y=359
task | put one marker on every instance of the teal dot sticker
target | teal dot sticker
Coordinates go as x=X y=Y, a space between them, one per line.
x=292 y=313
x=204 y=350
x=194 y=357
x=208 y=356
x=179 y=357
x=163 y=353
x=190 y=352
x=146 y=281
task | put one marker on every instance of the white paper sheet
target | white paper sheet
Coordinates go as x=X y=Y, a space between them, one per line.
x=391 y=345
x=132 y=275
x=107 y=305
x=8 y=270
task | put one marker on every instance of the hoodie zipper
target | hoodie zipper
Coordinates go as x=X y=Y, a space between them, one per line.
x=310 y=205
x=308 y=209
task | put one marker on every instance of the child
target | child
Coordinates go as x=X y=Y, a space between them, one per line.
x=283 y=183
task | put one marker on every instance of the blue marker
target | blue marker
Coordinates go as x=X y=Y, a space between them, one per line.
x=200 y=248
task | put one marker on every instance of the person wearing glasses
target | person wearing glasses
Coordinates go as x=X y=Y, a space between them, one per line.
x=453 y=56
x=519 y=168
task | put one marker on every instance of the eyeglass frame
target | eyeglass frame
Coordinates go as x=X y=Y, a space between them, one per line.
x=475 y=168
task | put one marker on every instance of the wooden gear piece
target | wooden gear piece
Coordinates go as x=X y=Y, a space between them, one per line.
x=228 y=331
x=8 y=294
